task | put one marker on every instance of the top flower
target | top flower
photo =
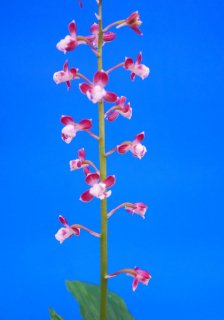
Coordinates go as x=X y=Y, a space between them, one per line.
x=133 y=21
x=136 y=68
x=95 y=91
x=70 y=42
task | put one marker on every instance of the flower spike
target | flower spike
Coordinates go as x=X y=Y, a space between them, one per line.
x=136 y=68
x=95 y=92
x=139 y=276
x=66 y=75
x=71 y=128
x=136 y=148
x=98 y=189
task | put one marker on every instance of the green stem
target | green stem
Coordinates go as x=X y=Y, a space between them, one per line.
x=103 y=204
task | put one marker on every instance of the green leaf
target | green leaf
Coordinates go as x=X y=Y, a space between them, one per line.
x=88 y=297
x=54 y=315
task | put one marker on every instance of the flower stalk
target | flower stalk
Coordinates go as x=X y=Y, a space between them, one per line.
x=103 y=174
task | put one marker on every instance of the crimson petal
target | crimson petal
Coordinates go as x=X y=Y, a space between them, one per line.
x=109 y=181
x=110 y=97
x=100 y=78
x=85 y=124
x=67 y=120
x=72 y=28
x=92 y=178
x=123 y=148
x=139 y=137
x=63 y=220
x=84 y=87
x=81 y=154
x=86 y=196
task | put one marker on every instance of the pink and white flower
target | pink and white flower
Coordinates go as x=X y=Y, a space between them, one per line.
x=136 y=68
x=121 y=108
x=136 y=148
x=98 y=188
x=95 y=92
x=66 y=75
x=70 y=42
x=141 y=276
x=137 y=208
x=93 y=39
x=133 y=21
x=80 y=162
x=67 y=231
x=71 y=128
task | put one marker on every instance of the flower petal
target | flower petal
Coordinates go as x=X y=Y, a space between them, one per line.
x=128 y=63
x=81 y=154
x=92 y=178
x=94 y=29
x=121 y=101
x=84 y=87
x=100 y=78
x=123 y=148
x=76 y=231
x=72 y=28
x=139 y=58
x=67 y=120
x=85 y=124
x=65 y=66
x=109 y=36
x=110 y=97
x=63 y=220
x=109 y=181
x=68 y=84
x=86 y=196
x=113 y=115
x=139 y=137
x=135 y=284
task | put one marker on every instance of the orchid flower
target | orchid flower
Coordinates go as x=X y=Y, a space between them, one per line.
x=133 y=21
x=68 y=231
x=136 y=68
x=70 y=42
x=93 y=39
x=120 y=109
x=66 y=75
x=136 y=148
x=98 y=189
x=137 y=208
x=134 y=208
x=82 y=163
x=95 y=92
x=139 y=276
x=71 y=128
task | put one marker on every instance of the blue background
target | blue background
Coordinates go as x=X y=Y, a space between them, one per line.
x=180 y=108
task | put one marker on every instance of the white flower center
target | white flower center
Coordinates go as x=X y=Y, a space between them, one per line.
x=98 y=189
x=97 y=93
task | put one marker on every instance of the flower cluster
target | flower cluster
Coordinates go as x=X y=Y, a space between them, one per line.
x=96 y=92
